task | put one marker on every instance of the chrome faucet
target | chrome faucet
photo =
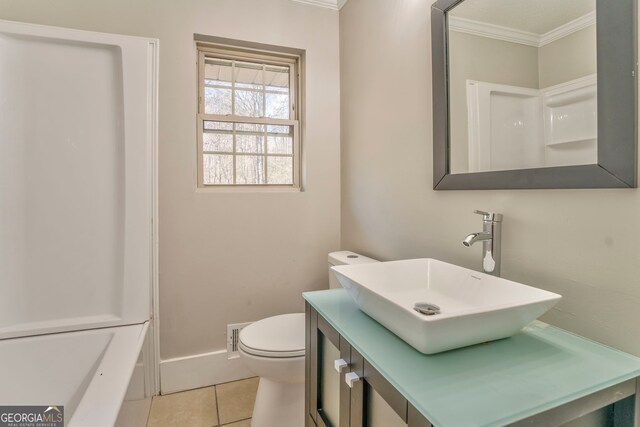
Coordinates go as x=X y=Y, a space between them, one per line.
x=490 y=237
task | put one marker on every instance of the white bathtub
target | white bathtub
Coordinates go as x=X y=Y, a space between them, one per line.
x=77 y=254
x=87 y=371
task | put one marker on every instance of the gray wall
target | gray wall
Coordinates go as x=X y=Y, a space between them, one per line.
x=568 y=58
x=227 y=257
x=579 y=243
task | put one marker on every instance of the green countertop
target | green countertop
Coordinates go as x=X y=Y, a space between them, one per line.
x=490 y=384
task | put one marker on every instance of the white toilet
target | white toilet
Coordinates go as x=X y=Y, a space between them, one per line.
x=273 y=348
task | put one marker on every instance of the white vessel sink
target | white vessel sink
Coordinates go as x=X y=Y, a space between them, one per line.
x=474 y=307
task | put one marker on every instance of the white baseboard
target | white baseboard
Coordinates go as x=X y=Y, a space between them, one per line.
x=200 y=370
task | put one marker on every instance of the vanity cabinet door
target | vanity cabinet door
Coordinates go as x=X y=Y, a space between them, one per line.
x=358 y=395
x=327 y=403
x=375 y=402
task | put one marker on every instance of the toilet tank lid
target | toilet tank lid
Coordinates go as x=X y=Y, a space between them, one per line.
x=348 y=258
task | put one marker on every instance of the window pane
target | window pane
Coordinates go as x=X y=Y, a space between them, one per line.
x=250 y=143
x=227 y=126
x=277 y=105
x=279 y=139
x=249 y=103
x=279 y=145
x=248 y=75
x=217 y=142
x=216 y=83
x=250 y=138
x=217 y=72
x=217 y=101
x=217 y=169
x=249 y=128
x=280 y=170
x=276 y=78
x=250 y=170
x=279 y=130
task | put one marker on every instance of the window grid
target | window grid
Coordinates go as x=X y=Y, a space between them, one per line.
x=234 y=151
x=292 y=123
x=233 y=110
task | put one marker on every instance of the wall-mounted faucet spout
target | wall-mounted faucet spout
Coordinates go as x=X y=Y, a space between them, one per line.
x=491 y=237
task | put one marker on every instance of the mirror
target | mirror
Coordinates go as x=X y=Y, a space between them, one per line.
x=534 y=94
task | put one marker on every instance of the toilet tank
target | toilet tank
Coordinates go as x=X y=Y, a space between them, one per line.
x=344 y=258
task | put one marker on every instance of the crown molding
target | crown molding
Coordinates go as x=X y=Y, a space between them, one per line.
x=482 y=29
x=329 y=4
x=512 y=35
x=568 y=28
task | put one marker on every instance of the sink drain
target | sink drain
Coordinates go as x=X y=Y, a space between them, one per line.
x=426 y=308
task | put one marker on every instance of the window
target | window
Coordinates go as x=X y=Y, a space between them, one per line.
x=248 y=119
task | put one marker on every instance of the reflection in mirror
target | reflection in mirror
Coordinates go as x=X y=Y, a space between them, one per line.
x=522 y=84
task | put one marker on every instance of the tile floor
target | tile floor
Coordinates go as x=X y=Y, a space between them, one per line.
x=228 y=405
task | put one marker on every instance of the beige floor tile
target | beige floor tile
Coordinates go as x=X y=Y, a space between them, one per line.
x=194 y=408
x=236 y=399
x=243 y=423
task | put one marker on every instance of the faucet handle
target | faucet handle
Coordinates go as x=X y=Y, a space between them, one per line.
x=489 y=216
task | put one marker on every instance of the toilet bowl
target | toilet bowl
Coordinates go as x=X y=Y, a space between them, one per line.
x=273 y=349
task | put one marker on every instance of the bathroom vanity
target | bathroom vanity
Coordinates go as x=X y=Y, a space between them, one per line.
x=359 y=373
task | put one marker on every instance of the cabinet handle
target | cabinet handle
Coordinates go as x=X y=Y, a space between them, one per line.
x=351 y=378
x=340 y=364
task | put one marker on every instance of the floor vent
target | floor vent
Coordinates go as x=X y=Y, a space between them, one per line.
x=233 y=339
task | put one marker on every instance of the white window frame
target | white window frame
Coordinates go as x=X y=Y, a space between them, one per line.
x=269 y=58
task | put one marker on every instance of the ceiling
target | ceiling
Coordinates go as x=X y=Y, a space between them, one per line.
x=534 y=16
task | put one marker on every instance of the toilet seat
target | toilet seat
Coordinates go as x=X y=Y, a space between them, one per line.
x=275 y=337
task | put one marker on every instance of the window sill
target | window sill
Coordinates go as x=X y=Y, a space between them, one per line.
x=247 y=189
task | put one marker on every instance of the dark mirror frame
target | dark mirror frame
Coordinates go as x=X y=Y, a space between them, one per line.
x=617 y=111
